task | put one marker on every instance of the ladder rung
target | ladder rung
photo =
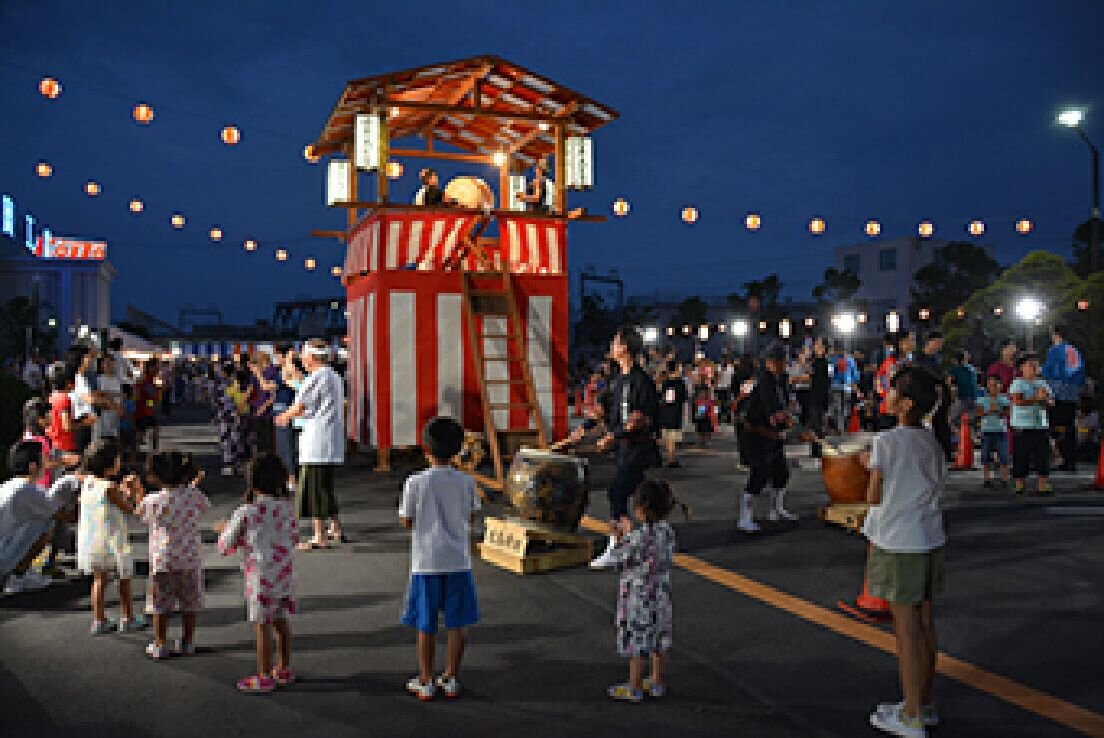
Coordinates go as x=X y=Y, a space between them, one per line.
x=503 y=358
x=498 y=335
x=487 y=293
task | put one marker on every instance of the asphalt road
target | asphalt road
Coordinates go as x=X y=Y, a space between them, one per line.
x=1023 y=601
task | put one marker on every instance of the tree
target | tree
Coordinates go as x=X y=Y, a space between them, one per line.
x=766 y=292
x=837 y=286
x=692 y=311
x=1042 y=275
x=959 y=270
x=596 y=322
x=1081 y=261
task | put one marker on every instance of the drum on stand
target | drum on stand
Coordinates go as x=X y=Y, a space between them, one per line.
x=548 y=488
x=469 y=192
x=846 y=479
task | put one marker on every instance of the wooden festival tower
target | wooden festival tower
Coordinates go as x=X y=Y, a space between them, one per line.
x=444 y=316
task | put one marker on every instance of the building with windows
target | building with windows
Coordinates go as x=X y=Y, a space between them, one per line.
x=887 y=269
x=67 y=281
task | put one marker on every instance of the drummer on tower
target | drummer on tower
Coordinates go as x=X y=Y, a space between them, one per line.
x=535 y=196
x=430 y=193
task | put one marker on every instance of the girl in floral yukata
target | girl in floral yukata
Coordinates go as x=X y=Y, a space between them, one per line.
x=644 y=613
x=266 y=531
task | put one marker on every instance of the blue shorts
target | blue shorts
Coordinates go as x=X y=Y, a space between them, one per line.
x=994 y=443
x=430 y=594
x=15 y=546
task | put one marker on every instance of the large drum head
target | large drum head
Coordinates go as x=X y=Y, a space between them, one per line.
x=845 y=476
x=469 y=192
x=549 y=488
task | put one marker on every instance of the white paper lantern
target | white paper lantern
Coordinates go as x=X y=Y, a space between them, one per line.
x=369 y=142
x=337 y=181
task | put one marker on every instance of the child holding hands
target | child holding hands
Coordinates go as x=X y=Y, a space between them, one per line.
x=266 y=530
x=176 y=564
x=103 y=543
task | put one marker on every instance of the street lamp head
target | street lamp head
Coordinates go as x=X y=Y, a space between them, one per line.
x=1071 y=118
x=1029 y=309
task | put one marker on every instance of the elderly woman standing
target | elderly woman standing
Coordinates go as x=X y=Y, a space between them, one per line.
x=320 y=403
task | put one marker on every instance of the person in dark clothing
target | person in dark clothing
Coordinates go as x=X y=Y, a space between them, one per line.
x=820 y=389
x=430 y=193
x=673 y=397
x=765 y=422
x=631 y=435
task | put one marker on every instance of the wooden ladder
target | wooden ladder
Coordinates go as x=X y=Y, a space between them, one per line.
x=482 y=300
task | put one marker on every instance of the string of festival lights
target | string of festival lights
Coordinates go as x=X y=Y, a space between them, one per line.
x=143 y=114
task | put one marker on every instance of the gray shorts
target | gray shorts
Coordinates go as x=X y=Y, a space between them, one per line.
x=15 y=546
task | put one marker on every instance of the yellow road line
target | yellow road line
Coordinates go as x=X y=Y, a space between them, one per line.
x=1030 y=699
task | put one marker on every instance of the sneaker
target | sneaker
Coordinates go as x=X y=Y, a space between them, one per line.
x=157 y=653
x=256 y=684
x=747 y=525
x=928 y=714
x=1019 y=488
x=180 y=648
x=988 y=484
x=103 y=627
x=133 y=625
x=449 y=685
x=656 y=691
x=425 y=692
x=623 y=693
x=893 y=721
x=673 y=465
x=283 y=677
x=32 y=581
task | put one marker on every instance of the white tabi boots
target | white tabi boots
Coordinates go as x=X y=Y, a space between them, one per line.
x=747 y=522
x=778 y=509
x=605 y=561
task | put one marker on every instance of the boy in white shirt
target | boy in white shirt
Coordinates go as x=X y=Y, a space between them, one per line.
x=438 y=504
x=908 y=474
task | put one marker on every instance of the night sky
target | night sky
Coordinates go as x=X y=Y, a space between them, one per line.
x=900 y=111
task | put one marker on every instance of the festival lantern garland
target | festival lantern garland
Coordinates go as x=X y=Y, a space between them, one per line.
x=926 y=229
x=177 y=221
x=309 y=264
x=215 y=234
x=976 y=228
x=142 y=113
x=689 y=215
x=817 y=226
x=250 y=245
x=92 y=188
x=42 y=169
x=281 y=255
x=872 y=228
x=753 y=221
x=335 y=271
x=136 y=206
x=621 y=207
x=230 y=135
x=49 y=88
x=1024 y=226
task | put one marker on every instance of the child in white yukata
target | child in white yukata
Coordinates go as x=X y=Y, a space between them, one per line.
x=644 y=616
x=266 y=531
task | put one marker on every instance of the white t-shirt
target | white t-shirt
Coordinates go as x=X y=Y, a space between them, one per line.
x=22 y=502
x=322 y=396
x=108 y=421
x=441 y=501
x=81 y=396
x=914 y=478
x=724 y=377
x=124 y=370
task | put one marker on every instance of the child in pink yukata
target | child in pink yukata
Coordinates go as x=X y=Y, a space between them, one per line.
x=266 y=531
x=176 y=563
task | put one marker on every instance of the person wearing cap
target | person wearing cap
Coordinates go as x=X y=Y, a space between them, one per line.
x=320 y=403
x=765 y=423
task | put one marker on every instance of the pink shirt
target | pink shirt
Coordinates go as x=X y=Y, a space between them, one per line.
x=173 y=519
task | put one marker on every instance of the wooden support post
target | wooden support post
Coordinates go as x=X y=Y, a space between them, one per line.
x=561 y=170
x=352 y=215
x=383 y=459
x=504 y=184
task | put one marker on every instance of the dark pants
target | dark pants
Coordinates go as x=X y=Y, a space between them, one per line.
x=263 y=435
x=631 y=464
x=82 y=434
x=767 y=460
x=1030 y=449
x=815 y=423
x=724 y=406
x=1063 y=417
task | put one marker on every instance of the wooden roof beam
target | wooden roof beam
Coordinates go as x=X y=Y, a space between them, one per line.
x=465 y=87
x=528 y=138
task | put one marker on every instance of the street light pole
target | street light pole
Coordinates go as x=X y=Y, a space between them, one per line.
x=1072 y=119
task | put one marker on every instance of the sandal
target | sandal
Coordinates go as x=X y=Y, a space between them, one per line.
x=624 y=693
x=256 y=684
x=183 y=649
x=312 y=545
x=283 y=677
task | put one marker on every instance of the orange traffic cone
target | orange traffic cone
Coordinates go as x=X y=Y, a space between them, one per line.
x=854 y=425
x=1098 y=483
x=866 y=606
x=964 y=459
